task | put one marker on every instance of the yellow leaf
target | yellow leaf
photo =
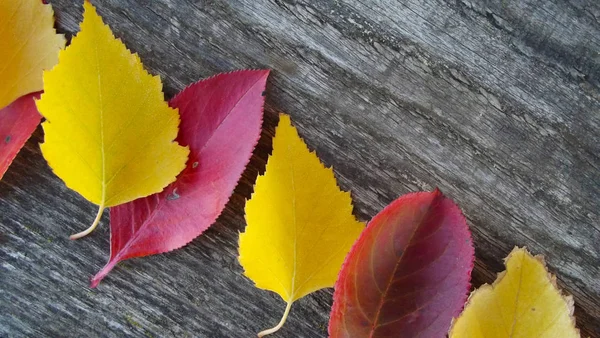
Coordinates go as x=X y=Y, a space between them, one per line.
x=28 y=45
x=523 y=302
x=299 y=223
x=108 y=131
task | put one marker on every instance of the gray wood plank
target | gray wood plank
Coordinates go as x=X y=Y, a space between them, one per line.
x=496 y=103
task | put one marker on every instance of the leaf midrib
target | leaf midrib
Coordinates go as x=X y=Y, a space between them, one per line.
x=384 y=294
x=100 y=101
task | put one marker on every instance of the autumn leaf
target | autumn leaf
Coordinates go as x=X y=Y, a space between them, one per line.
x=524 y=301
x=408 y=273
x=211 y=111
x=28 y=44
x=299 y=223
x=108 y=132
x=18 y=120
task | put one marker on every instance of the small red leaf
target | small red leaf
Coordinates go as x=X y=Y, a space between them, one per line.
x=18 y=120
x=408 y=274
x=221 y=119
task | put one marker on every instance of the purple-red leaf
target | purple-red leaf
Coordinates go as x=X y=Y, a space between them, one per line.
x=18 y=120
x=221 y=119
x=408 y=274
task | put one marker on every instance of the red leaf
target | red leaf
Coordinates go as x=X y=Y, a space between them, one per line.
x=408 y=273
x=18 y=120
x=221 y=119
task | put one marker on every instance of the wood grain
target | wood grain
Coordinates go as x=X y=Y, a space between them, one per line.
x=495 y=102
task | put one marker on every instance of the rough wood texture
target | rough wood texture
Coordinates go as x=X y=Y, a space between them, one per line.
x=495 y=102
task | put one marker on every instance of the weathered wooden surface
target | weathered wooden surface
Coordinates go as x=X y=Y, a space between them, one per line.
x=495 y=102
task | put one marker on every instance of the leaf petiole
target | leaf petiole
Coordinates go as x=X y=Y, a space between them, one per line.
x=281 y=322
x=92 y=227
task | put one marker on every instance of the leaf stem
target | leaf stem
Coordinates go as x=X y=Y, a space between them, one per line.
x=281 y=322
x=92 y=227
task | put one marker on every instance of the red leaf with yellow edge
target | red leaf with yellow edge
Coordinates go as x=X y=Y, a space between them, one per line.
x=408 y=274
x=221 y=120
x=17 y=121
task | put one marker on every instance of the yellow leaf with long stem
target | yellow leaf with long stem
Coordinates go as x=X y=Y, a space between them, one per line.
x=299 y=223
x=108 y=132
